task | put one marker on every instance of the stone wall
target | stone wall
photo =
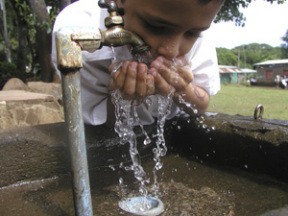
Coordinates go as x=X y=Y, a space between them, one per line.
x=32 y=104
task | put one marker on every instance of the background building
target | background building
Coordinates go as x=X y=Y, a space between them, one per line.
x=272 y=71
x=234 y=74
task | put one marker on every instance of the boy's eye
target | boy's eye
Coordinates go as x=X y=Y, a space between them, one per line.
x=155 y=28
x=194 y=34
x=161 y=30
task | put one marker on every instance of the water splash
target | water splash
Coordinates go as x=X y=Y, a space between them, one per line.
x=127 y=118
x=188 y=105
x=116 y=62
x=161 y=149
x=145 y=58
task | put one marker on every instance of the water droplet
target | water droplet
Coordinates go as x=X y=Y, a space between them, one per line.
x=147 y=141
x=121 y=181
x=112 y=167
x=158 y=165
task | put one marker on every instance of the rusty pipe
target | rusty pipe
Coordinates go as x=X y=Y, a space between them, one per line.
x=77 y=143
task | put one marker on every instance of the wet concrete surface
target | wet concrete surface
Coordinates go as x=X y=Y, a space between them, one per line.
x=186 y=188
x=245 y=170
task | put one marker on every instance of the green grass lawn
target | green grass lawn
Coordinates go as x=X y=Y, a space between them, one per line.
x=242 y=100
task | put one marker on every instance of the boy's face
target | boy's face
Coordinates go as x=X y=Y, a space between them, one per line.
x=170 y=27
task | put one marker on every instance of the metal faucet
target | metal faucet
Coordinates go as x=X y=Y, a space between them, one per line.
x=71 y=40
x=116 y=35
x=69 y=45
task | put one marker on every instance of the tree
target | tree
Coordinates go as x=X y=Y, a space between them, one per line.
x=31 y=27
x=43 y=38
x=245 y=56
x=284 y=46
x=254 y=53
x=22 y=28
x=5 y=32
x=226 y=57
x=230 y=10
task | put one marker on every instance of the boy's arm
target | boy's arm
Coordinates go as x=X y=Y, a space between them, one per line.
x=194 y=99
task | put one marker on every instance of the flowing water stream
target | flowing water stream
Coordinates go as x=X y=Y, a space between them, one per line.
x=126 y=119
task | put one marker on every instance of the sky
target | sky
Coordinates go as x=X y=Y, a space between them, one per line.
x=265 y=23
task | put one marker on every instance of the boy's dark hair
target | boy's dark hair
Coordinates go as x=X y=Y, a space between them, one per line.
x=207 y=1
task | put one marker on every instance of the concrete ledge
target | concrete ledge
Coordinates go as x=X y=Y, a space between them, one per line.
x=236 y=141
x=18 y=95
x=41 y=151
x=22 y=108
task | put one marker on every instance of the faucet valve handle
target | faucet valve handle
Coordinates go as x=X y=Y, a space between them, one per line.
x=114 y=18
x=111 y=6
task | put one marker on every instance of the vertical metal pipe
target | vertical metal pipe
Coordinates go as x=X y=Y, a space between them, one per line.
x=77 y=143
x=5 y=32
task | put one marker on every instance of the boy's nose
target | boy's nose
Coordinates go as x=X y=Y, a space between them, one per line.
x=169 y=48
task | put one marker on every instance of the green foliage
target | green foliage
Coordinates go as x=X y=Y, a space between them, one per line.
x=9 y=70
x=230 y=10
x=14 y=47
x=226 y=57
x=23 y=9
x=246 y=56
x=284 y=46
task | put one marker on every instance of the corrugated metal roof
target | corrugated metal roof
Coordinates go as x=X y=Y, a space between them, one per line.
x=234 y=69
x=273 y=62
x=248 y=70
x=228 y=69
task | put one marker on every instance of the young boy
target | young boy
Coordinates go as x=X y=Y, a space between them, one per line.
x=184 y=62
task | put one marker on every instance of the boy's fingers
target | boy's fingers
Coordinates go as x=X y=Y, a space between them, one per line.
x=130 y=80
x=163 y=86
x=119 y=76
x=150 y=86
x=186 y=74
x=141 y=80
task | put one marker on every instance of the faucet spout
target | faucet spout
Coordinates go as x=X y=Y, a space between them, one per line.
x=115 y=34
x=118 y=36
